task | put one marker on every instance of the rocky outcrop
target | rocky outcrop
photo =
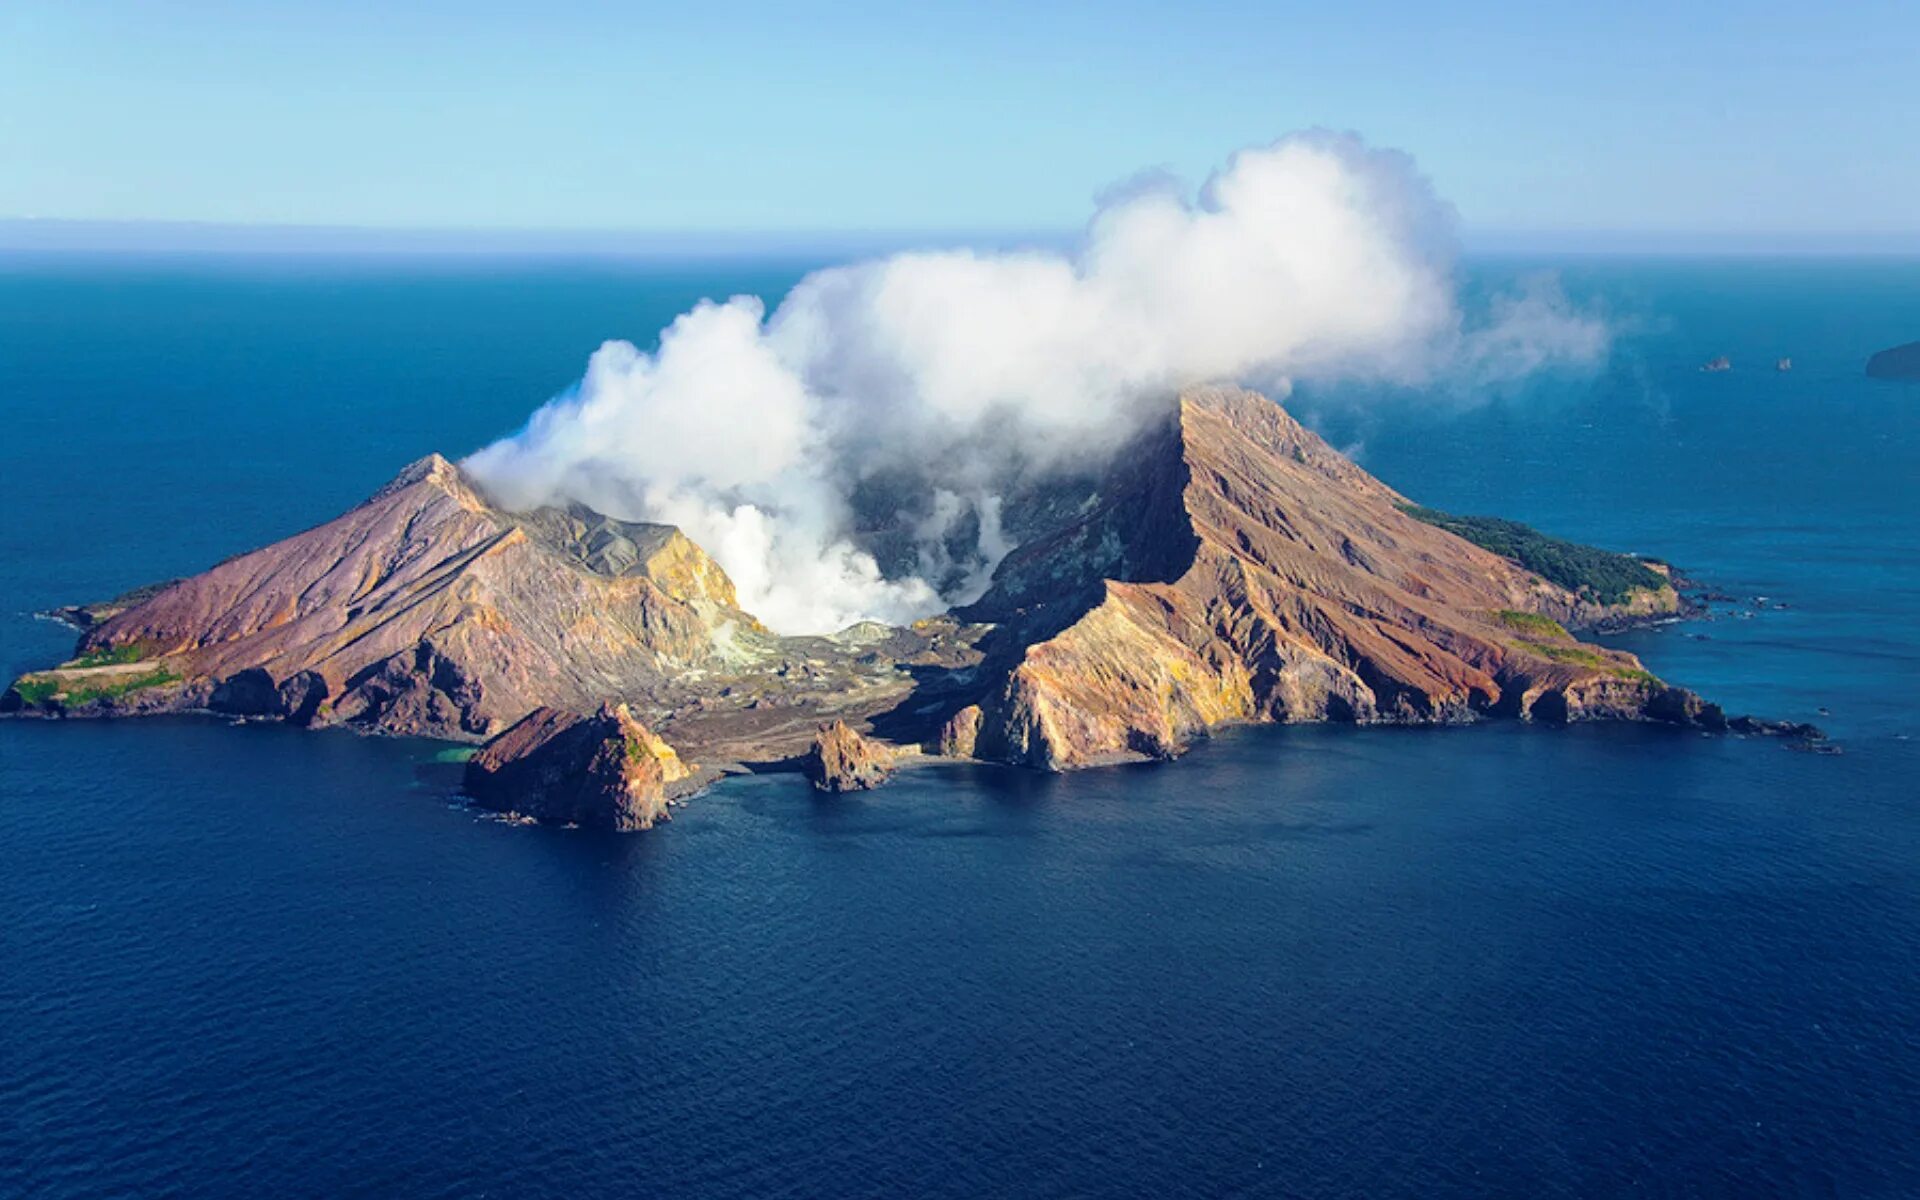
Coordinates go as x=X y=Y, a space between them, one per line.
x=604 y=771
x=840 y=760
x=960 y=735
x=1900 y=362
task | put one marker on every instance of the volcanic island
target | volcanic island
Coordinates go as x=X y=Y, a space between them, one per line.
x=1227 y=567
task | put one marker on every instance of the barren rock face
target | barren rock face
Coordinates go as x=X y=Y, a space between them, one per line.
x=840 y=760
x=606 y=771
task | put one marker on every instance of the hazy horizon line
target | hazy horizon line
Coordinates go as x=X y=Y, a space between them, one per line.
x=88 y=235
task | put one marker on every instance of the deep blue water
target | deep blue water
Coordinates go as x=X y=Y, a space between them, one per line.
x=1489 y=961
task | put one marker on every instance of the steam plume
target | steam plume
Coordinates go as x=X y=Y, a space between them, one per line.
x=1315 y=257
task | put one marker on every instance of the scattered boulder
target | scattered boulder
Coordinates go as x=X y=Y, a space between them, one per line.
x=840 y=760
x=605 y=771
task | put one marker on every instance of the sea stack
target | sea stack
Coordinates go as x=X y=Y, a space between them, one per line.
x=605 y=771
x=840 y=760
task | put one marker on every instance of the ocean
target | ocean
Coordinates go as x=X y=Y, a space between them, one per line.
x=1313 y=961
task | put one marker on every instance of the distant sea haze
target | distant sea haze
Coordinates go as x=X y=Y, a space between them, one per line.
x=188 y=237
x=21 y=234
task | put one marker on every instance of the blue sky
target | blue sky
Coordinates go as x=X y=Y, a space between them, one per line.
x=1733 y=119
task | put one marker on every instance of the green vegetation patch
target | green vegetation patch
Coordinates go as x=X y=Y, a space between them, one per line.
x=35 y=691
x=1574 y=653
x=111 y=656
x=1598 y=574
x=107 y=689
x=39 y=689
x=1577 y=654
x=1532 y=624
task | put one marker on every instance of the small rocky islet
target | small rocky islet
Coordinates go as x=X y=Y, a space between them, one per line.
x=1229 y=567
x=1898 y=363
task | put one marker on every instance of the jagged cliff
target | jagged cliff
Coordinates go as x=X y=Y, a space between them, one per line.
x=1230 y=566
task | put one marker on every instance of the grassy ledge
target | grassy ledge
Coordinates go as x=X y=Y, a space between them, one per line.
x=1548 y=639
x=1574 y=654
x=112 y=656
x=1532 y=624
x=39 y=689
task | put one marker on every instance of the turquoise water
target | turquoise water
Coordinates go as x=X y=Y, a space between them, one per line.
x=245 y=961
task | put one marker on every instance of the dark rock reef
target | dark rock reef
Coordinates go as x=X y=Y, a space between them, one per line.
x=1229 y=567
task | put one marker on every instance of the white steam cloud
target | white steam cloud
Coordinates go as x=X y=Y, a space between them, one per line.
x=1315 y=257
